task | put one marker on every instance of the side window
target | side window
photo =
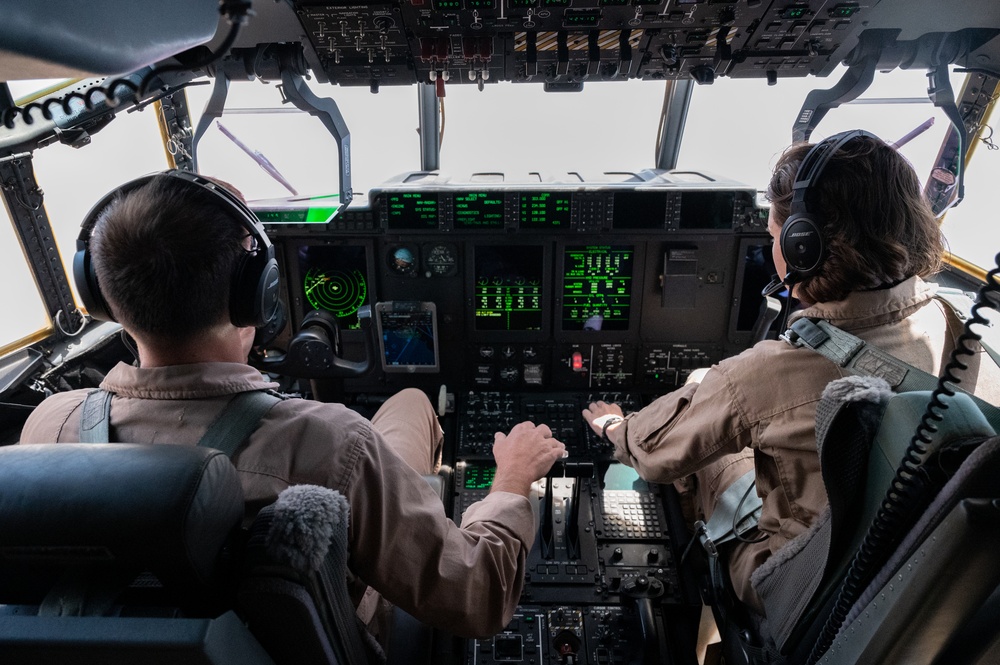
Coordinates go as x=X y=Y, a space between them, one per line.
x=745 y=145
x=971 y=227
x=72 y=180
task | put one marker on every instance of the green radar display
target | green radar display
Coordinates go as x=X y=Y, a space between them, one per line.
x=334 y=280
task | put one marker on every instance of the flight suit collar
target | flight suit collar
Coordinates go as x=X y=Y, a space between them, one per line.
x=867 y=309
x=195 y=381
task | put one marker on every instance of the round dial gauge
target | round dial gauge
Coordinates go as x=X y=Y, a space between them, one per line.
x=338 y=291
x=402 y=260
x=441 y=260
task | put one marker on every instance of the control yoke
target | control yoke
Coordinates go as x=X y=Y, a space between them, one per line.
x=642 y=590
x=314 y=353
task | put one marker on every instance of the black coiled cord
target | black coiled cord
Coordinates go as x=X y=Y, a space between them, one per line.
x=907 y=496
x=237 y=12
x=108 y=92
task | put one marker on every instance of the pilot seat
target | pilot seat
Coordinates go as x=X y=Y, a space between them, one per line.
x=904 y=589
x=115 y=553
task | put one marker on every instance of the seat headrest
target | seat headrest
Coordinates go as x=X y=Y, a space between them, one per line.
x=167 y=509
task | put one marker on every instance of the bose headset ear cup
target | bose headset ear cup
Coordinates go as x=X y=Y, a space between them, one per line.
x=801 y=241
x=87 y=286
x=802 y=245
x=253 y=298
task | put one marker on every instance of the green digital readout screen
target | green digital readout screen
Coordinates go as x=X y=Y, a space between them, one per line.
x=545 y=210
x=303 y=216
x=412 y=211
x=508 y=287
x=597 y=287
x=582 y=17
x=333 y=279
x=478 y=210
x=479 y=475
x=299 y=210
x=844 y=11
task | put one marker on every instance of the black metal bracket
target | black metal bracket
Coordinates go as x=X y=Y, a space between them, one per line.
x=213 y=111
x=951 y=161
x=268 y=63
x=855 y=81
x=24 y=203
x=295 y=90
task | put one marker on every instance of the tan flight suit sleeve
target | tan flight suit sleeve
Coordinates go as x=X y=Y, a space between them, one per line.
x=683 y=431
x=465 y=580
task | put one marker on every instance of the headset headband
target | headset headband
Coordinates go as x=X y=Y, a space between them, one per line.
x=255 y=284
x=813 y=165
x=246 y=218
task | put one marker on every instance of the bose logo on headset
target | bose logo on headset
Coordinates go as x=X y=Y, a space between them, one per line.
x=801 y=240
x=253 y=299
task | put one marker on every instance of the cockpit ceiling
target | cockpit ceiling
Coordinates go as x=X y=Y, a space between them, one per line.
x=562 y=43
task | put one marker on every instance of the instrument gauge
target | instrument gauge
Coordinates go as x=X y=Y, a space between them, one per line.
x=402 y=260
x=441 y=260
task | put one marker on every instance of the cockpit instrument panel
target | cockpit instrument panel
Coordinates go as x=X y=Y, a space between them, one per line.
x=630 y=281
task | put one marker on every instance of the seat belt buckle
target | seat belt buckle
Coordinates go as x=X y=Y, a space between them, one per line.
x=805 y=332
x=707 y=544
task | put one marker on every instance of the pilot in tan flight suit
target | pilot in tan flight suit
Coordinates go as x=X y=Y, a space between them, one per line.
x=165 y=252
x=758 y=409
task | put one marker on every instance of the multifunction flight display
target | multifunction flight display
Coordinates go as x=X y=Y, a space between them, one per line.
x=508 y=287
x=597 y=287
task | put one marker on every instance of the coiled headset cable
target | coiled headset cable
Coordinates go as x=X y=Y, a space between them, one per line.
x=236 y=12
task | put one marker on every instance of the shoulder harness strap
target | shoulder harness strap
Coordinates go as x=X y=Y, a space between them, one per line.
x=858 y=357
x=95 y=417
x=227 y=433
x=238 y=420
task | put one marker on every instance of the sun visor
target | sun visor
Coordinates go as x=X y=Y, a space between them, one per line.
x=103 y=37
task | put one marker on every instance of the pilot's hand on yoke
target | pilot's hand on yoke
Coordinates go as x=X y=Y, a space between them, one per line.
x=524 y=456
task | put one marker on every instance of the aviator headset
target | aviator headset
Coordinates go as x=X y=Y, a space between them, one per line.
x=253 y=298
x=801 y=240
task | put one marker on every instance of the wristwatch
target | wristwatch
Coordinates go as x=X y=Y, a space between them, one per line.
x=611 y=420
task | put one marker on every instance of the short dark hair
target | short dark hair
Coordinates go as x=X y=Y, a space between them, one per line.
x=877 y=224
x=164 y=254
